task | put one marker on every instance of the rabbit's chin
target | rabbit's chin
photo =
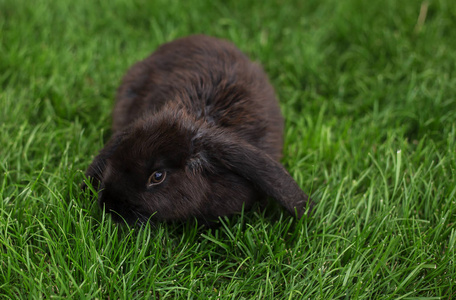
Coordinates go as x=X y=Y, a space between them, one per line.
x=120 y=211
x=130 y=216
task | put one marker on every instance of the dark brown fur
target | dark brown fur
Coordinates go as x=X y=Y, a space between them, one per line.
x=201 y=110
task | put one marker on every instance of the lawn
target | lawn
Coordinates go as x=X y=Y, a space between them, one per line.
x=368 y=90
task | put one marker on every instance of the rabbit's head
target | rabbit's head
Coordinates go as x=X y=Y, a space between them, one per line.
x=170 y=166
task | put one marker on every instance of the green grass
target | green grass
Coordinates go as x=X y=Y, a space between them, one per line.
x=369 y=95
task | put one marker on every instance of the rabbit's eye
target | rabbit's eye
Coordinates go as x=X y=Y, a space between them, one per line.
x=157 y=177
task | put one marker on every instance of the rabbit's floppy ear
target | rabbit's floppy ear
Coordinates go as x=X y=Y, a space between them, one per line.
x=96 y=169
x=256 y=166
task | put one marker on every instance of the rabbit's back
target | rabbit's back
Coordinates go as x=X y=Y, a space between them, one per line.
x=212 y=80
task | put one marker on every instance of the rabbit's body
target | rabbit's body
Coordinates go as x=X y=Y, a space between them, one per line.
x=202 y=116
x=213 y=81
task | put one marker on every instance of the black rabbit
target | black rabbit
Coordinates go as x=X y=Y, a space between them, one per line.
x=197 y=132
